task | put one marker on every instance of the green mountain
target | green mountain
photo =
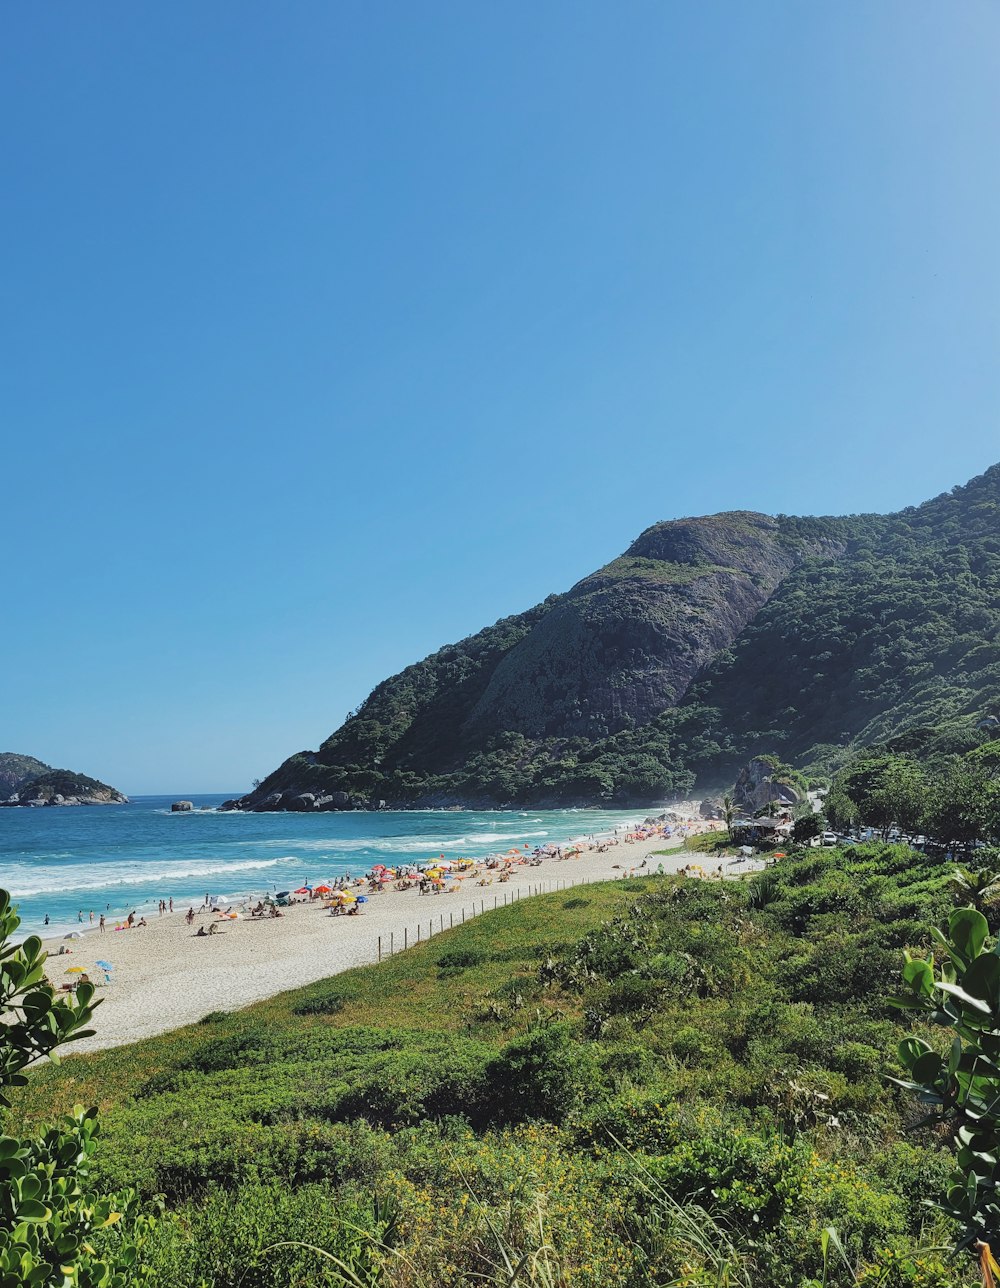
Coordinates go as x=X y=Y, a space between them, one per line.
x=25 y=780
x=16 y=770
x=708 y=641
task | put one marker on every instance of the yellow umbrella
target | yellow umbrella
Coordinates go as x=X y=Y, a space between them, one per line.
x=76 y=970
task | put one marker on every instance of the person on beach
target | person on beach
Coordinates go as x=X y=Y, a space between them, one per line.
x=46 y=922
x=91 y=916
x=130 y=919
x=171 y=903
x=100 y=924
x=189 y=916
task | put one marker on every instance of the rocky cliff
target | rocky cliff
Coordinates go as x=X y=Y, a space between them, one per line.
x=709 y=641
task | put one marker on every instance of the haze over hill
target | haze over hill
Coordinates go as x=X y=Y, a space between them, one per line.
x=708 y=640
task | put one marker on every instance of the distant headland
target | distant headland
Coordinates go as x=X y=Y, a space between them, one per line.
x=28 y=782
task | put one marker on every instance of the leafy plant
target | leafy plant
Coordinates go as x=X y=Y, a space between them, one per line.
x=52 y=1232
x=960 y=1085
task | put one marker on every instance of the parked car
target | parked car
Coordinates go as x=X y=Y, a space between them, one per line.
x=828 y=838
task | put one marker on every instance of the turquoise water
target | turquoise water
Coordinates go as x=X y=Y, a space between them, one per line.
x=111 y=859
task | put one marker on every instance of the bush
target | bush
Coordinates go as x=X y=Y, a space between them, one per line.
x=546 y=1075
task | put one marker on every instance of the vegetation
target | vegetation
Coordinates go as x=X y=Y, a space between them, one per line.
x=653 y=1082
x=952 y=800
x=960 y=1081
x=16 y=770
x=52 y=1230
x=708 y=642
x=30 y=779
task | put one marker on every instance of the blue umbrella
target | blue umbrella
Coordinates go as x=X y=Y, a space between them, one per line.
x=362 y=898
x=105 y=966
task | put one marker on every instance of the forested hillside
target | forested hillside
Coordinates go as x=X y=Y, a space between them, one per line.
x=707 y=641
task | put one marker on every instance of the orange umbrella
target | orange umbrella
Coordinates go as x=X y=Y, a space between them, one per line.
x=323 y=889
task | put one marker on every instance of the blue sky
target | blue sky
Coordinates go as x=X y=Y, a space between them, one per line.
x=332 y=332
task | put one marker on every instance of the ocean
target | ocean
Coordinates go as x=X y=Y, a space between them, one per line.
x=66 y=863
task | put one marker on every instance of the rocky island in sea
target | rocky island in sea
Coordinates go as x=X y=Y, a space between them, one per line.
x=25 y=781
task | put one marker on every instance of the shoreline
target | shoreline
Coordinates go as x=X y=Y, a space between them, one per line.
x=166 y=976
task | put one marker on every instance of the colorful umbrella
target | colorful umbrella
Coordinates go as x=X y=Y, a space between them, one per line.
x=323 y=889
x=76 y=970
x=304 y=890
x=105 y=965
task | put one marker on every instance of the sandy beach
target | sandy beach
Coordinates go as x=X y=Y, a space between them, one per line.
x=165 y=975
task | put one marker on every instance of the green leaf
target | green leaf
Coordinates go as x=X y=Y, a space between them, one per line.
x=961 y=995
x=967 y=930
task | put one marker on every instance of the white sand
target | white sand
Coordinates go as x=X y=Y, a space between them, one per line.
x=166 y=976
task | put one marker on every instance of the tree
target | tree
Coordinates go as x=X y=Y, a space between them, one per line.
x=807 y=827
x=962 y=807
x=729 y=812
x=961 y=1088
x=976 y=888
x=52 y=1232
x=879 y=790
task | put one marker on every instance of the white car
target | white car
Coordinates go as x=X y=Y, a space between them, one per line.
x=828 y=838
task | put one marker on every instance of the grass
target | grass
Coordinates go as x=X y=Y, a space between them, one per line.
x=648 y=1083
x=408 y=991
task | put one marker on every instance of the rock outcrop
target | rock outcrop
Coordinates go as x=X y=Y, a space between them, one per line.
x=182 y=807
x=758 y=786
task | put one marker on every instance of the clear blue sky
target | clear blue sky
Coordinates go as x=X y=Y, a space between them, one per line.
x=333 y=331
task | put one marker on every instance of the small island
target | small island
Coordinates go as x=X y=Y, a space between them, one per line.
x=27 y=782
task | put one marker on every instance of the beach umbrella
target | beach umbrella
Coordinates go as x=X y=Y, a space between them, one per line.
x=304 y=890
x=282 y=894
x=362 y=898
x=74 y=934
x=76 y=970
x=323 y=889
x=105 y=965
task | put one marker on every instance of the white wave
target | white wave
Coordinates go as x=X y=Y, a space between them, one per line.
x=64 y=880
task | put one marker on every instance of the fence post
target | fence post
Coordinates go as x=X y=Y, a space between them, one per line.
x=463 y=916
x=380 y=947
x=451 y=920
x=392 y=942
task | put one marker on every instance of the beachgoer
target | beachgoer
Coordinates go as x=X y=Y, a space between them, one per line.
x=171 y=903
x=100 y=923
x=214 y=929
x=189 y=915
x=202 y=932
x=130 y=919
x=46 y=919
x=141 y=922
x=91 y=916
x=79 y=915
